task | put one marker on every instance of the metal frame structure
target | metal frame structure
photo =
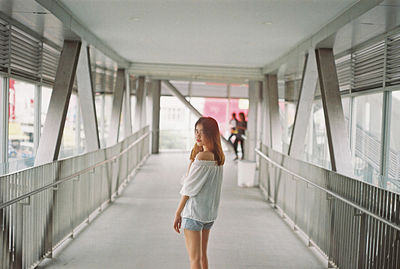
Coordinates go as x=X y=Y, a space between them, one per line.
x=86 y=100
x=352 y=223
x=49 y=144
x=117 y=108
x=35 y=224
x=304 y=106
x=339 y=148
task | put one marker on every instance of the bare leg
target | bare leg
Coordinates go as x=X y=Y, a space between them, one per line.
x=204 y=242
x=193 y=245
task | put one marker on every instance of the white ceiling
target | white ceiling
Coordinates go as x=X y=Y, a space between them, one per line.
x=204 y=32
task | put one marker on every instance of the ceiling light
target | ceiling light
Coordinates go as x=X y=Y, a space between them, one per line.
x=134 y=19
x=267 y=23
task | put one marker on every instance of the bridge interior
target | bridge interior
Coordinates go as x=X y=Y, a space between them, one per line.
x=97 y=105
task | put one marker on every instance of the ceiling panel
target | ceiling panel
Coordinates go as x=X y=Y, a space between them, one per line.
x=209 y=32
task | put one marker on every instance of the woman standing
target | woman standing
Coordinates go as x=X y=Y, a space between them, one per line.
x=241 y=127
x=201 y=191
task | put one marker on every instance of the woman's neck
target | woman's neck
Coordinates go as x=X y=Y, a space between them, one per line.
x=205 y=148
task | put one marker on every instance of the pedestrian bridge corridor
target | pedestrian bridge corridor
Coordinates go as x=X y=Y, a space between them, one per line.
x=135 y=231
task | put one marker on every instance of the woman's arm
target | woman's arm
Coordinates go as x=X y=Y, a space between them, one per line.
x=181 y=204
x=190 y=164
x=178 y=218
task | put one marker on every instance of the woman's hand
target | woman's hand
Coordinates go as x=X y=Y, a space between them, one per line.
x=177 y=222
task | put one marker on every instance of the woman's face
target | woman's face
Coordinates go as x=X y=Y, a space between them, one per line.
x=199 y=135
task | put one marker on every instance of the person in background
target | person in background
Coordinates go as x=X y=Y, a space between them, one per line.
x=233 y=124
x=241 y=128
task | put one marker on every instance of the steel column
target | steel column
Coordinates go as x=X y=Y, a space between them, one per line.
x=251 y=143
x=266 y=137
x=49 y=144
x=156 y=94
x=140 y=99
x=386 y=122
x=304 y=106
x=275 y=128
x=87 y=100
x=113 y=132
x=339 y=147
x=127 y=107
x=4 y=125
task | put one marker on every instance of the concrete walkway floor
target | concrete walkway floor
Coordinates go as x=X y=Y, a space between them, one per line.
x=136 y=230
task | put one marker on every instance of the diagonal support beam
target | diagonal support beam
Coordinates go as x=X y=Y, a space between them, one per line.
x=275 y=128
x=339 y=147
x=116 y=108
x=50 y=141
x=304 y=106
x=86 y=99
x=182 y=98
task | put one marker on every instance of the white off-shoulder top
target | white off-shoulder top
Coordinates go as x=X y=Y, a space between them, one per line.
x=203 y=186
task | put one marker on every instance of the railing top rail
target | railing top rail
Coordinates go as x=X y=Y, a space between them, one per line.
x=395 y=226
x=74 y=175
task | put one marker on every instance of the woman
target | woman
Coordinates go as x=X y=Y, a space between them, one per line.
x=241 y=127
x=201 y=191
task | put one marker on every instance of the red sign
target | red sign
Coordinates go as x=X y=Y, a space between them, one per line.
x=11 y=100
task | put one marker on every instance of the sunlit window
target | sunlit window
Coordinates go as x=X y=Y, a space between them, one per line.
x=20 y=127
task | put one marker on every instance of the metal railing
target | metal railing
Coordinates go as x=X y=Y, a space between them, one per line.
x=355 y=224
x=41 y=207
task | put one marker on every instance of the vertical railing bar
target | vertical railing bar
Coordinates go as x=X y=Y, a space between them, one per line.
x=389 y=236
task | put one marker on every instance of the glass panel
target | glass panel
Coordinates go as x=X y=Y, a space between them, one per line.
x=103 y=109
x=287 y=114
x=366 y=151
x=316 y=144
x=46 y=95
x=175 y=128
x=20 y=127
x=70 y=139
x=346 y=111
x=177 y=122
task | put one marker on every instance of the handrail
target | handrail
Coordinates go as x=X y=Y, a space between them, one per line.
x=395 y=226
x=51 y=185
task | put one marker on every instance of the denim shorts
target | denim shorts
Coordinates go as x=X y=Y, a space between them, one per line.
x=195 y=225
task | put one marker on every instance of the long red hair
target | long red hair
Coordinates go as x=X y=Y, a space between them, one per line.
x=212 y=139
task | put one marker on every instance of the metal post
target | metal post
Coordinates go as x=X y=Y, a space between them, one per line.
x=156 y=93
x=113 y=133
x=49 y=144
x=362 y=241
x=385 y=137
x=19 y=235
x=38 y=117
x=4 y=125
x=304 y=106
x=339 y=148
x=87 y=100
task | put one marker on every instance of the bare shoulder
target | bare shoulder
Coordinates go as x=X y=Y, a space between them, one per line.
x=206 y=156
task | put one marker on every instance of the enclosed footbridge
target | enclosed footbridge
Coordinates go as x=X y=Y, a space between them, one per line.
x=98 y=101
